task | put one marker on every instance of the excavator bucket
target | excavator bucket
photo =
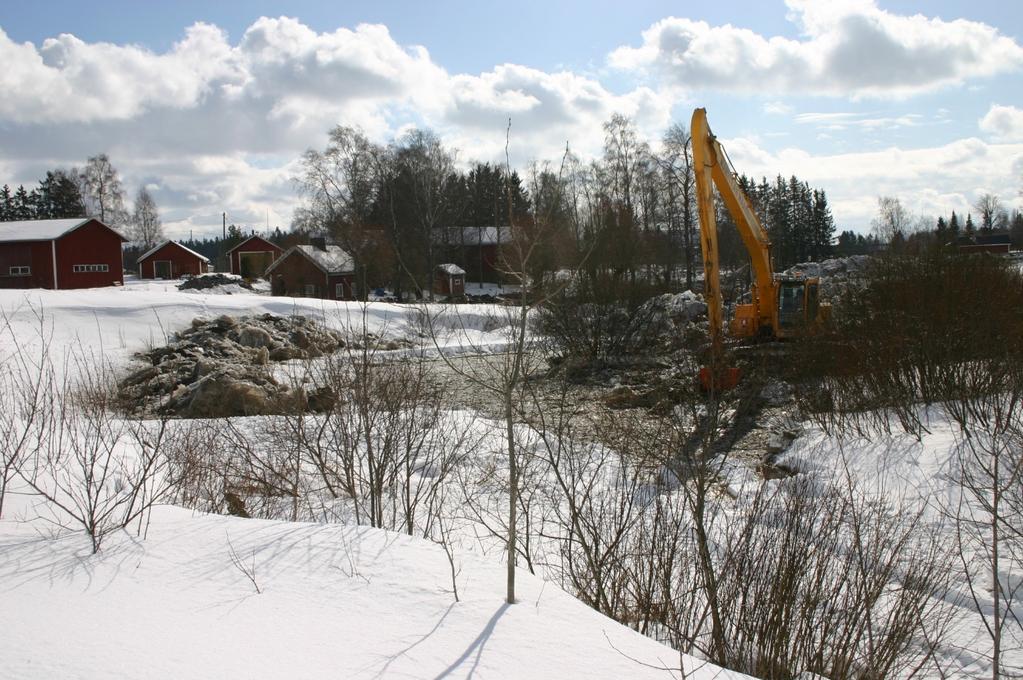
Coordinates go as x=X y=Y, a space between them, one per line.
x=720 y=380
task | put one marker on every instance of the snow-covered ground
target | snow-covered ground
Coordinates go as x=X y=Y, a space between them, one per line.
x=332 y=600
x=345 y=601
x=113 y=323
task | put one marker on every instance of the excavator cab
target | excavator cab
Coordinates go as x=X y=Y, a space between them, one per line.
x=799 y=308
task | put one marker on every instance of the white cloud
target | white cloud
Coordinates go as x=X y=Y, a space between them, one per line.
x=191 y=120
x=213 y=125
x=1004 y=123
x=865 y=121
x=846 y=49
x=930 y=181
x=777 y=108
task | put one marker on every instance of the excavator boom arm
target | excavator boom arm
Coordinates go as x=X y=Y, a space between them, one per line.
x=713 y=169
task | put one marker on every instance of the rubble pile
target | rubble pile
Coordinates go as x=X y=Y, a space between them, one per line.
x=221 y=367
x=206 y=281
x=666 y=319
x=835 y=274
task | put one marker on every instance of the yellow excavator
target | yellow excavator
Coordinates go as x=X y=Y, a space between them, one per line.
x=780 y=306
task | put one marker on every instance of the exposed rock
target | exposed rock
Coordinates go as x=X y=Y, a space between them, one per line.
x=251 y=336
x=223 y=395
x=321 y=399
x=235 y=505
x=220 y=367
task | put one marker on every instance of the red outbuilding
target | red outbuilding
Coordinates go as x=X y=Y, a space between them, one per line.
x=317 y=270
x=80 y=252
x=171 y=260
x=253 y=256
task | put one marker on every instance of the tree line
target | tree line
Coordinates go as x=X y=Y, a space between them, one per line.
x=898 y=227
x=403 y=207
x=95 y=189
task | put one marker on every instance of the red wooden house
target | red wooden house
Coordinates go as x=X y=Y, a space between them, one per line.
x=316 y=270
x=171 y=260
x=80 y=252
x=253 y=256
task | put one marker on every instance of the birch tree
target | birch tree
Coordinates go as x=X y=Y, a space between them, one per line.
x=146 y=228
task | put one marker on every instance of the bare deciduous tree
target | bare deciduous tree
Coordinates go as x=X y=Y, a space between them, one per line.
x=102 y=190
x=146 y=228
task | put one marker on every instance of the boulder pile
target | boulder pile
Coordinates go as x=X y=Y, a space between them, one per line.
x=221 y=367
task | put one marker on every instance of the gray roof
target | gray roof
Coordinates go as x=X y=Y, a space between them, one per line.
x=333 y=260
x=156 y=248
x=43 y=230
x=451 y=269
x=471 y=236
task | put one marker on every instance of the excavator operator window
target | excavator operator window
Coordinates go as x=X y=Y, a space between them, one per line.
x=790 y=304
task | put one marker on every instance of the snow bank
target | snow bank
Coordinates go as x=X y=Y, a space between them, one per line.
x=334 y=601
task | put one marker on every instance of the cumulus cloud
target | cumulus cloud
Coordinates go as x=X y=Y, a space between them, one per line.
x=217 y=125
x=930 y=181
x=1003 y=123
x=846 y=48
x=192 y=120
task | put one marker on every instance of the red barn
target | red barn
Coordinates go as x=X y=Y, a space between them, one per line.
x=251 y=258
x=317 y=270
x=80 y=252
x=171 y=260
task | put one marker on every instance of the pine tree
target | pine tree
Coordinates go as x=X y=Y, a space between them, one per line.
x=24 y=208
x=59 y=197
x=953 y=226
x=823 y=225
x=941 y=231
x=969 y=230
x=6 y=204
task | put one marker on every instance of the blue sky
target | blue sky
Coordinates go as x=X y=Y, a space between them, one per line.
x=210 y=104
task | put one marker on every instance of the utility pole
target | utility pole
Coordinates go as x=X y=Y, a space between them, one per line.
x=223 y=240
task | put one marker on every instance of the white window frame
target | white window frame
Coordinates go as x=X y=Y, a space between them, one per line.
x=86 y=268
x=339 y=290
x=309 y=289
x=20 y=270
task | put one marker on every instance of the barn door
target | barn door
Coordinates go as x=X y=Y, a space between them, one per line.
x=162 y=269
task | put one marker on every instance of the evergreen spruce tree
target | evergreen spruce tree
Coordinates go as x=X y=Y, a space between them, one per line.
x=59 y=197
x=24 y=208
x=6 y=204
x=823 y=225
